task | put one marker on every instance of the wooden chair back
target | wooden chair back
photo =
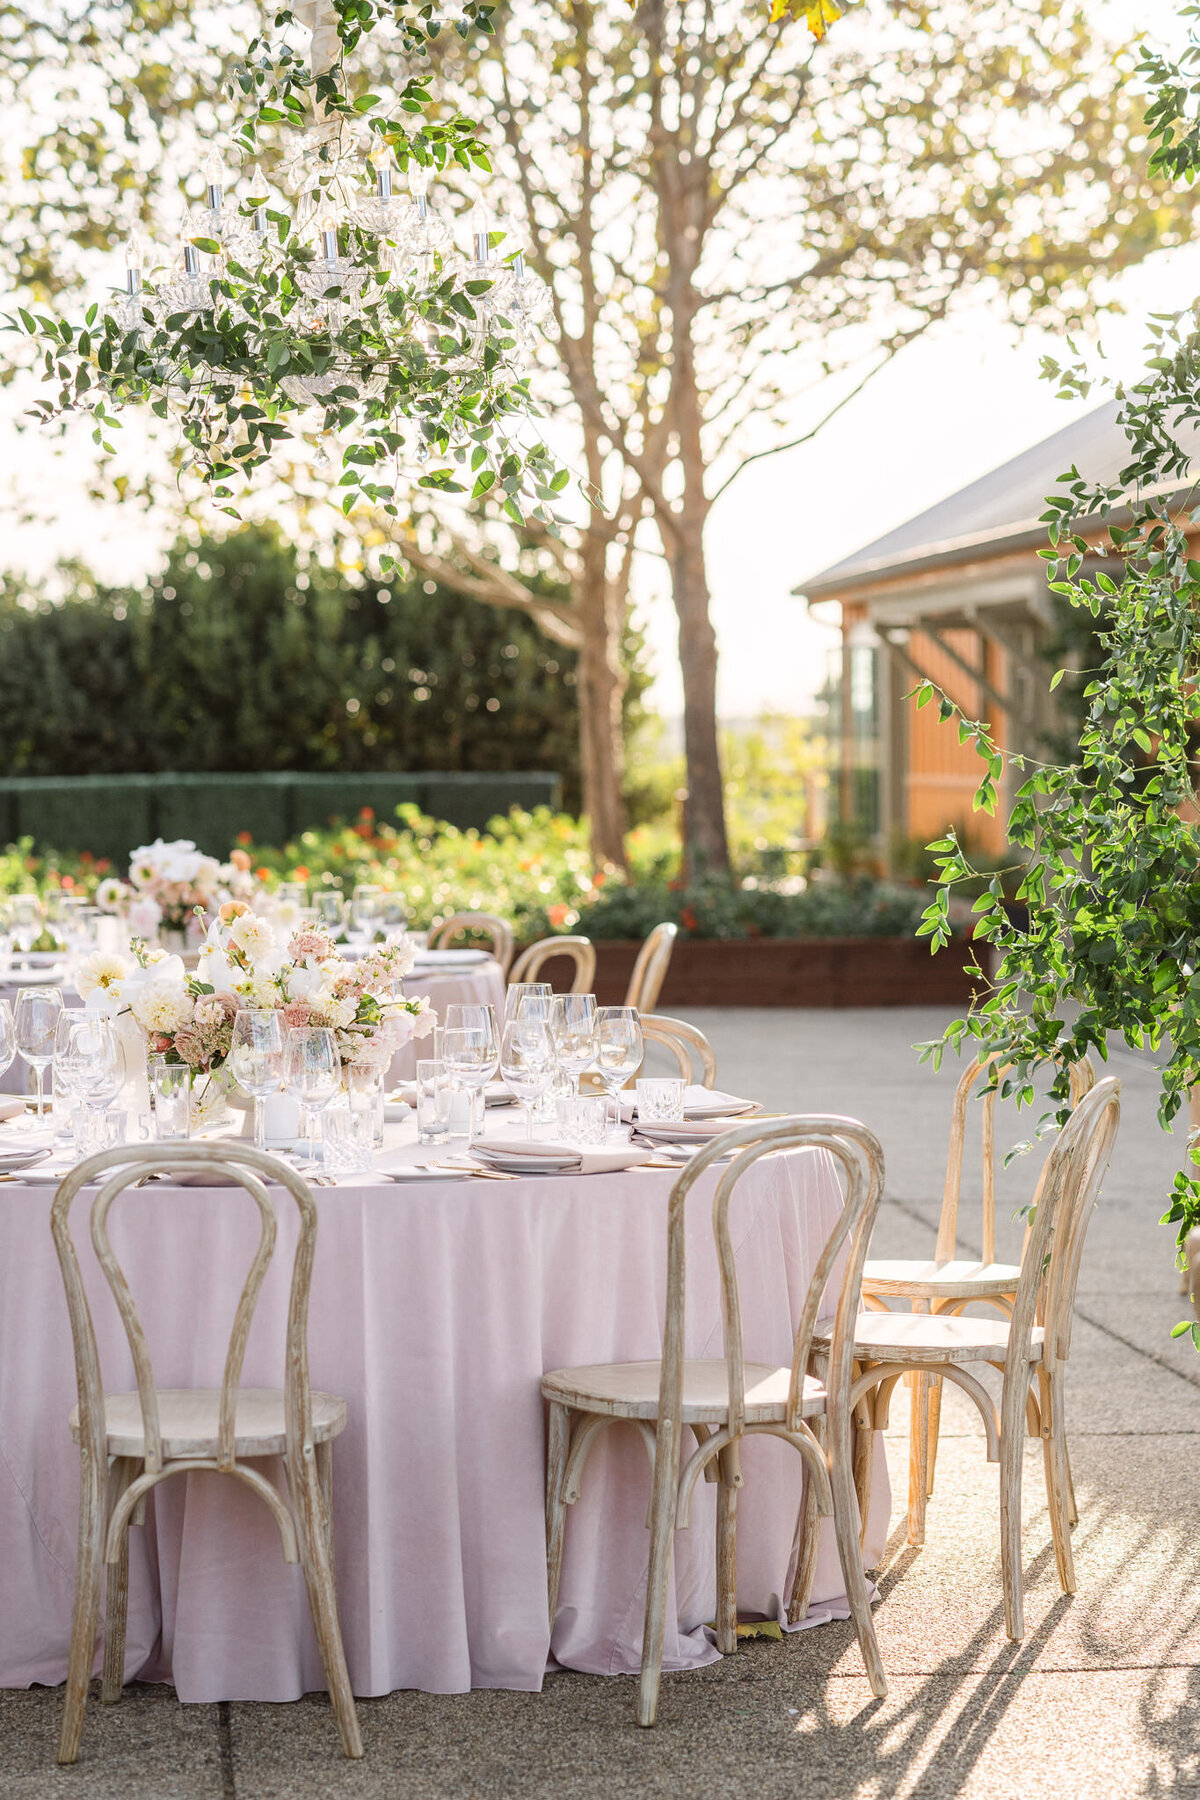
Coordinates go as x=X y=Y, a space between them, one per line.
x=124 y=1167
x=858 y=1152
x=683 y=1041
x=650 y=969
x=1067 y=1193
x=1083 y=1078
x=579 y=950
x=476 y=924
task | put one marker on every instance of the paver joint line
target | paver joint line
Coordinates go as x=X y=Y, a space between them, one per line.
x=225 y=1750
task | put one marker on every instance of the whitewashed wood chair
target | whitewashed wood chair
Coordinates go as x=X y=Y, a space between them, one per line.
x=1031 y=1347
x=650 y=969
x=946 y=1283
x=725 y=1399
x=129 y=1442
x=684 y=1042
x=580 y=951
x=476 y=924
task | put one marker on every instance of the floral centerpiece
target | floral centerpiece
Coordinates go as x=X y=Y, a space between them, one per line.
x=188 y=1017
x=169 y=885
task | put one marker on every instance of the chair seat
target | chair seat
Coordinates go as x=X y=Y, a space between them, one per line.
x=188 y=1419
x=930 y=1338
x=940 y=1280
x=630 y=1391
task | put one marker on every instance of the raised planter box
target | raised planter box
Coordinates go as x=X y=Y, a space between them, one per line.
x=795 y=972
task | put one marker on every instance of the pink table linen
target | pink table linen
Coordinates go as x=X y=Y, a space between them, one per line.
x=435 y=1310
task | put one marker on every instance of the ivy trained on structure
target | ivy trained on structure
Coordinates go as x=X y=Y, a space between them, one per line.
x=349 y=316
x=1111 y=884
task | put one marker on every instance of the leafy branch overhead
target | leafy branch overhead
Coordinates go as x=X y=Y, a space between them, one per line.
x=281 y=324
x=1107 y=936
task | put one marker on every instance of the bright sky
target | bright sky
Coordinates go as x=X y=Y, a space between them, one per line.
x=954 y=405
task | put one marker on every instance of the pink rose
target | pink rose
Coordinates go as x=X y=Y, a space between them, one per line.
x=310 y=943
x=297 y=1014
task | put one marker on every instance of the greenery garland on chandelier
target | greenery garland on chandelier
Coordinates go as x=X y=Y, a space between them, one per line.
x=1112 y=881
x=351 y=314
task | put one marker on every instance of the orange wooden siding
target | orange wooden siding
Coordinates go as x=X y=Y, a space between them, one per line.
x=943 y=774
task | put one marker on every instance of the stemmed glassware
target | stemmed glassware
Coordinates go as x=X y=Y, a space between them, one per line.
x=8 y=1037
x=528 y=999
x=64 y=1065
x=471 y=1049
x=256 y=1058
x=573 y=1033
x=35 y=1022
x=313 y=1075
x=363 y=915
x=25 y=915
x=620 y=1049
x=89 y=1055
x=329 y=909
x=527 y=1063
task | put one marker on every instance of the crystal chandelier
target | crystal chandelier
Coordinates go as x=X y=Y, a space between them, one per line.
x=347 y=237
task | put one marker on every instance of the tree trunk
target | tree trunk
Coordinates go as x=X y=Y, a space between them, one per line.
x=706 y=847
x=601 y=692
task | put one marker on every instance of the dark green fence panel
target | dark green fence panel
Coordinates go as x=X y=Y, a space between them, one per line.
x=213 y=809
x=110 y=814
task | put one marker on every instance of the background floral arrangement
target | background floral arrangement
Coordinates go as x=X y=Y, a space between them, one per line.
x=167 y=882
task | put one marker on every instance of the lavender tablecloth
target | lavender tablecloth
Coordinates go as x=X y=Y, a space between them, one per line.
x=435 y=1310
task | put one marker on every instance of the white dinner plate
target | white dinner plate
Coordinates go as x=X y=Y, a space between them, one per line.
x=429 y=961
x=418 y=1172
x=12 y=1160
x=512 y=1162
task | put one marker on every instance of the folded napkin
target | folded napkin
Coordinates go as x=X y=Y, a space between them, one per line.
x=678 y=1131
x=12 y=1106
x=698 y=1103
x=584 y=1160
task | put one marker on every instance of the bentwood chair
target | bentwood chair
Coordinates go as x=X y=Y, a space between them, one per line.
x=129 y=1442
x=650 y=969
x=1031 y=1347
x=724 y=1400
x=580 y=951
x=476 y=924
x=683 y=1041
x=946 y=1283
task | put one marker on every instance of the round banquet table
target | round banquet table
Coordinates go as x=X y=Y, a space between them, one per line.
x=436 y=1308
x=448 y=977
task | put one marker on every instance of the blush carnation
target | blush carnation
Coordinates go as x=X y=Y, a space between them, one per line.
x=297 y=1014
x=310 y=943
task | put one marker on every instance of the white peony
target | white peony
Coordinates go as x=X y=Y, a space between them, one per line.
x=252 y=935
x=161 y=1007
x=102 y=976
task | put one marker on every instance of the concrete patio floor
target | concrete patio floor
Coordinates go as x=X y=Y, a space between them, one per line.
x=1101 y=1699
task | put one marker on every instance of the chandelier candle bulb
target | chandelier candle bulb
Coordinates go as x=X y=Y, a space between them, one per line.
x=133 y=265
x=479 y=230
x=329 y=243
x=214 y=176
x=191 y=260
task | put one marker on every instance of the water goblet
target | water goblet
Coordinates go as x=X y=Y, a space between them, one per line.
x=329 y=908
x=92 y=1062
x=256 y=1061
x=619 y=1051
x=313 y=1075
x=363 y=914
x=25 y=914
x=526 y=1064
x=533 y=995
x=573 y=1033
x=471 y=1051
x=63 y=1072
x=35 y=1022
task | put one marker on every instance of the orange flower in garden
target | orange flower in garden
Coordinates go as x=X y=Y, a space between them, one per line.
x=263 y=874
x=103 y=866
x=689 y=920
x=300 y=872
x=85 y=856
x=366 y=812
x=599 y=878
x=557 y=913
x=239 y=859
x=245 y=837
x=66 y=881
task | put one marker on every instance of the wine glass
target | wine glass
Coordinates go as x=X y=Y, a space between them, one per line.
x=619 y=1050
x=538 y=994
x=471 y=1049
x=256 y=1060
x=35 y=1022
x=527 y=1064
x=329 y=909
x=313 y=1075
x=364 y=914
x=25 y=915
x=573 y=1033
x=64 y=1069
x=89 y=1057
x=8 y=1037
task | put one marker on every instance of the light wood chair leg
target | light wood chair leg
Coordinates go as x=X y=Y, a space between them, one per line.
x=936 y=1385
x=116 y=1599
x=809 y=1541
x=324 y=1459
x=1054 y=1459
x=1072 y=1505
x=864 y=1449
x=663 y=1501
x=847 y=1530
x=918 y=1449
x=86 y=1615
x=558 y=1447
x=1012 y=1449
x=313 y=1534
x=727 y=1499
